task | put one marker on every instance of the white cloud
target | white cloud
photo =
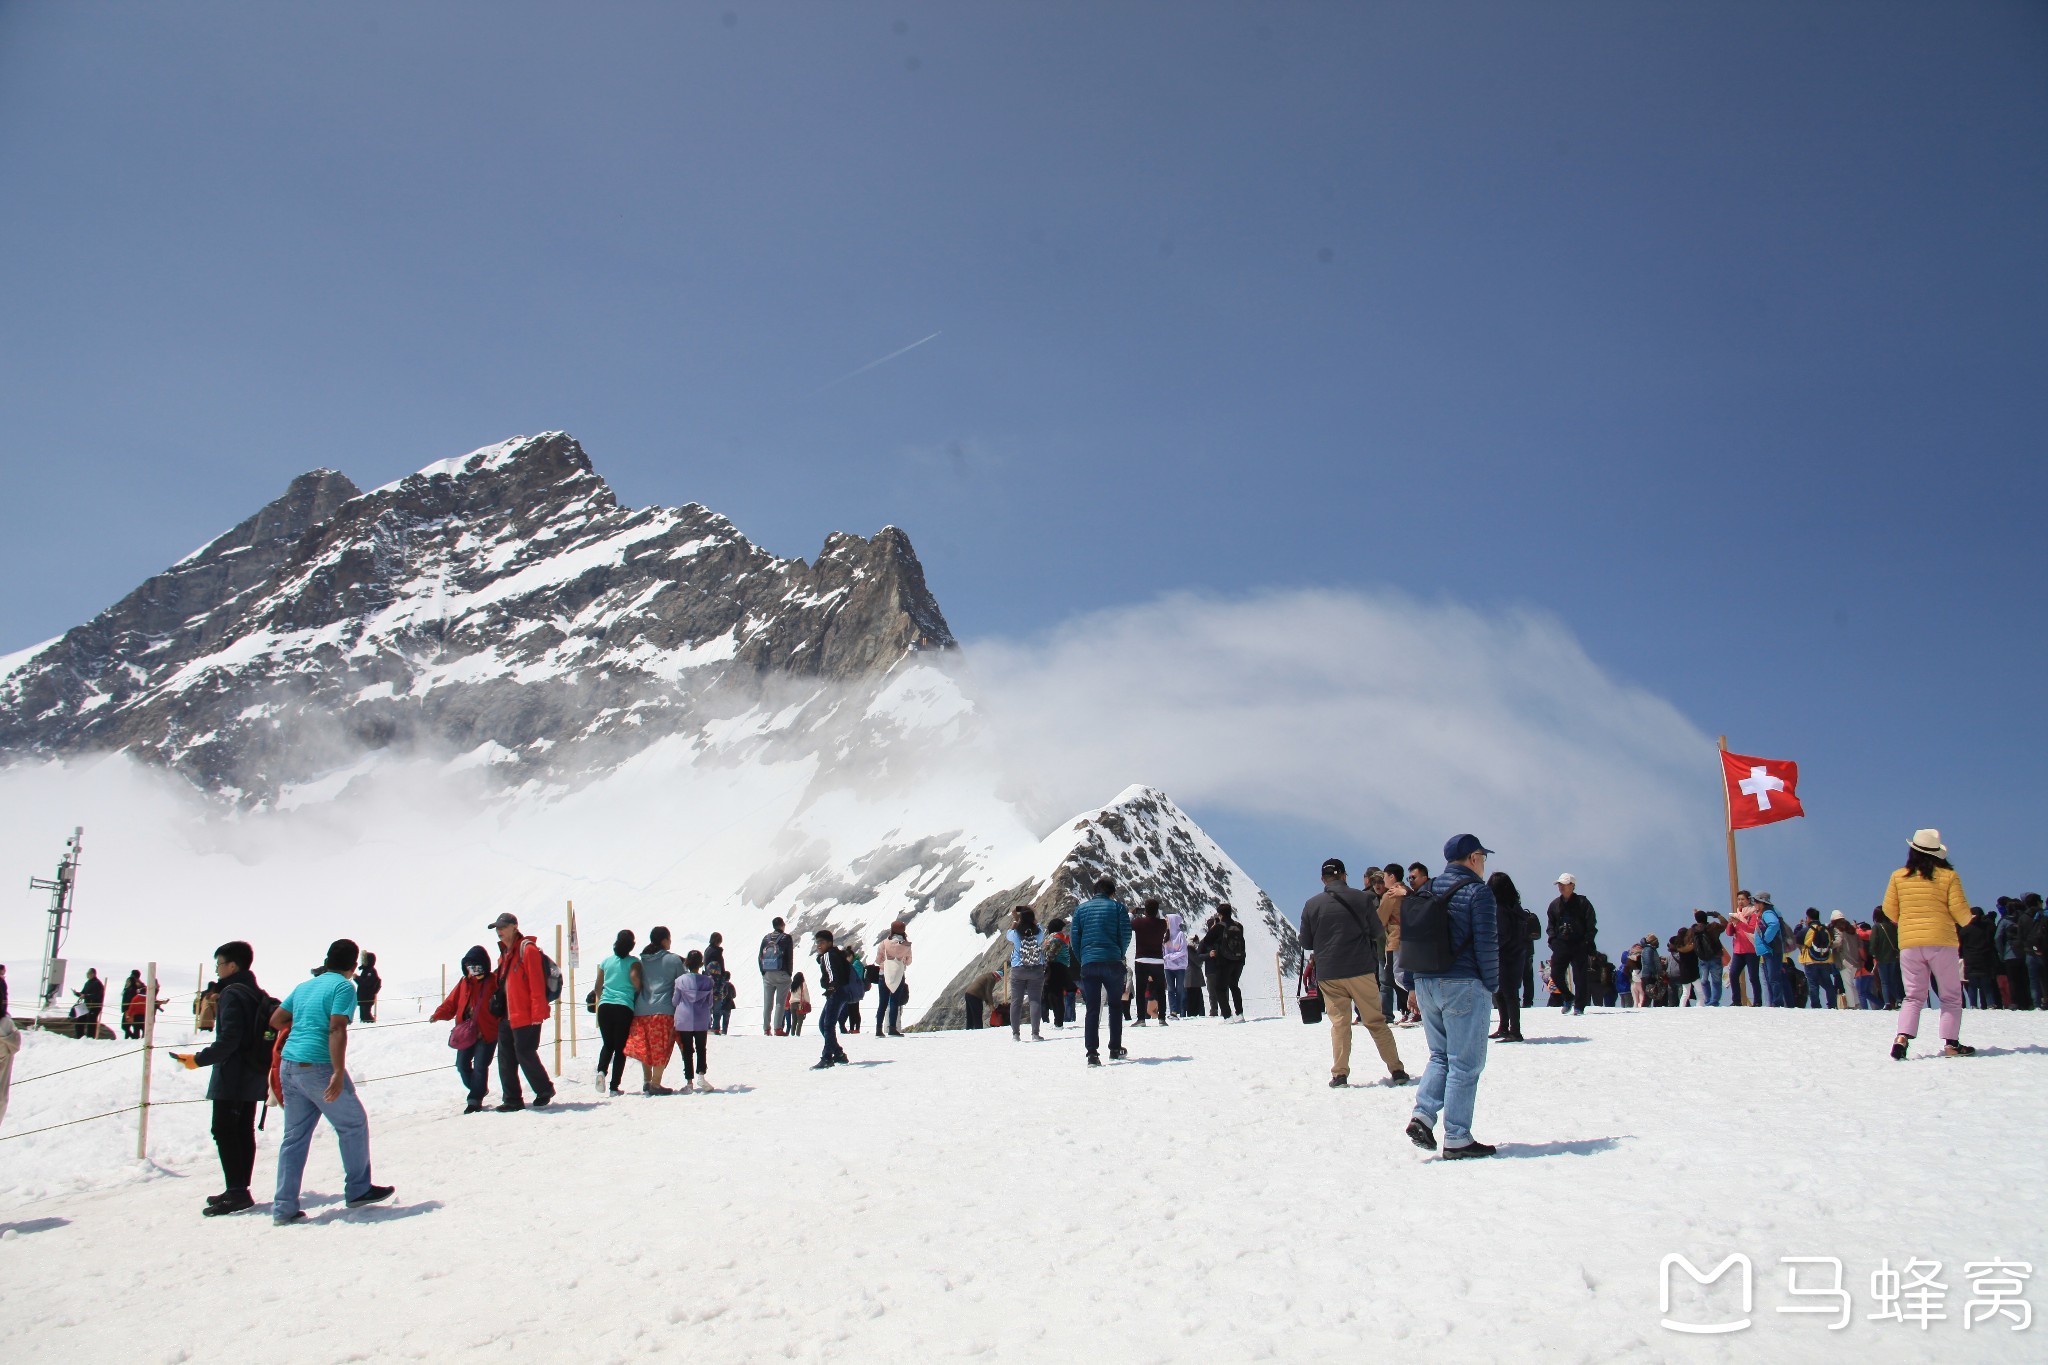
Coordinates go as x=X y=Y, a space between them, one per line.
x=1388 y=722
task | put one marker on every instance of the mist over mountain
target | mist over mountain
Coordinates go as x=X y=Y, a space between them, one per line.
x=488 y=685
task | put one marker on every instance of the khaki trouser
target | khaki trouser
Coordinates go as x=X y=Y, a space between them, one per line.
x=1338 y=998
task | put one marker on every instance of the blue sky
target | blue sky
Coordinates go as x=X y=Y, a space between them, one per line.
x=1716 y=333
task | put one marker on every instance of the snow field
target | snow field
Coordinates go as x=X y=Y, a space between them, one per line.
x=959 y=1196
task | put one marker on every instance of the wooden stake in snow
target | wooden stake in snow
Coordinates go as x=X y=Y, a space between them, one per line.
x=570 y=962
x=558 y=1007
x=148 y=1050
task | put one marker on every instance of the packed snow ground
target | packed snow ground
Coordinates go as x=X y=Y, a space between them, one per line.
x=957 y=1196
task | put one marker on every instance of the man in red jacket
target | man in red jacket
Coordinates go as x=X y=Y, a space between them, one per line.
x=523 y=986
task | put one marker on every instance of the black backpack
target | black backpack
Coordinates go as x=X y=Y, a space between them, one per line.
x=1427 y=948
x=262 y=1039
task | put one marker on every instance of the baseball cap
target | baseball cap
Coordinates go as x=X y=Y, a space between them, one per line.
x=1333 y=867
x=508 y=919
x=1567 y=879
x=1462 y=847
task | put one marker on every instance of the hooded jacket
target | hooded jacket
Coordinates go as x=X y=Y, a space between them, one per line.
x=659 y=969
x=470 y=998
x=1176 y=942
x=693 y=992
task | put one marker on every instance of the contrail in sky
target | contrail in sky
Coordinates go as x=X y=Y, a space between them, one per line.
x=873 y=363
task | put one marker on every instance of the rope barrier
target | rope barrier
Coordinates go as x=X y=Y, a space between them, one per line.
x=131 y=1052
x=166 y=1104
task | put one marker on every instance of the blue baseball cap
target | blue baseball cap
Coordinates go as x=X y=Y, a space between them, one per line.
x=1463 y=847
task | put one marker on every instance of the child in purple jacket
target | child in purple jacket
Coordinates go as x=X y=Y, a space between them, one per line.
x=694 y=992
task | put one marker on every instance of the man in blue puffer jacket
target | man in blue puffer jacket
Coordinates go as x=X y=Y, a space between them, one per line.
x=1101 y=935
x=1457 y=1002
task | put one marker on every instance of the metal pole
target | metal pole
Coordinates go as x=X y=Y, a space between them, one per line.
x=148 y=1051
x=575 y=951
x=558 y=1007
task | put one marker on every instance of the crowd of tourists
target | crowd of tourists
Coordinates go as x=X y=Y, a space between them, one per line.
x=1451 y=952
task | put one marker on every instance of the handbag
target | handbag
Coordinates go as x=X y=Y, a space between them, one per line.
x=465 y=1034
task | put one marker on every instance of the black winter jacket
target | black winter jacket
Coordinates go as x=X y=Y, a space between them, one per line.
x=240 y=1051
x=1573 y=925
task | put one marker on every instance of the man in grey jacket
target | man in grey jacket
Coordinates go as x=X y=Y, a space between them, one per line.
x=1342 y=928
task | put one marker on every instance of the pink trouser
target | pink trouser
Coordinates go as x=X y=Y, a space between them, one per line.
x=1946 y=967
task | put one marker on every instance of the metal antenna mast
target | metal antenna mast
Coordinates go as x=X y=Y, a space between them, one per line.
x=60 y=889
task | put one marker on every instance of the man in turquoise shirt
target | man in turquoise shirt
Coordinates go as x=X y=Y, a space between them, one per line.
x=313 y=1077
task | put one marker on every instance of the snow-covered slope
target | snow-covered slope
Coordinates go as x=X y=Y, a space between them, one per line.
x=957 y=1196
x=488 y=686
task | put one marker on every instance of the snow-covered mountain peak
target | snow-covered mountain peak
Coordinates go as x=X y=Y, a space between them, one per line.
x=503 y=597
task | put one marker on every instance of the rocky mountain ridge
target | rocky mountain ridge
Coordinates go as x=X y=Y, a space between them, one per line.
x=502 y=602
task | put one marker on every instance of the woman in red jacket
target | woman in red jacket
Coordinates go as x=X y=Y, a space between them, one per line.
x=475 y=1036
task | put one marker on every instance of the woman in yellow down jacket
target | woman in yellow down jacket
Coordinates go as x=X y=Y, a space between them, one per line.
x=1925 y=899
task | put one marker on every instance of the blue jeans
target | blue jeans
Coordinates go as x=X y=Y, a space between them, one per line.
x=2037 y=980
x=1176 y=989
x=887 y=1012
x=828 y=1024
x=1894 y=983
x=305 y=1103
x=473 y=1064
x=1456 y=1011
x=1387 y=986
x=1867 y=996
x=1773 y=971
x=1100 y=979
x=1820 y=981
x=1710 y=982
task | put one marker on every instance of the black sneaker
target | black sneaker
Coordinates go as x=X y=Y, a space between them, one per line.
x=822 y=1064
x=220 y=1198
x=1900 y=1045
x=1339 y=1082
x=376 y=1194
x=1400 y=1078
x=1117 y=1054
x=1468 y=1151
x=220 y=1204
x=1952 y=1048
x=1094 y=1060
x=289 y=1219
x=1419 y=1134
x=511 y=1108
x=473 y=1107
x=543 y=1101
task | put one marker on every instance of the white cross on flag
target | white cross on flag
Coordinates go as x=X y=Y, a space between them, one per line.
x=1761 y=791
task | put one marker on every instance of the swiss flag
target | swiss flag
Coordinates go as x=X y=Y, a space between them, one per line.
x=1761 y=791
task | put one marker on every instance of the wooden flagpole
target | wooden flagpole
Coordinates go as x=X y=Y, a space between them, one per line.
x=558 y=1006
x=1728 y=822
x=148 y=1051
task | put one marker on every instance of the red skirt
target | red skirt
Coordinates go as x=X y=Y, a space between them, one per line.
x=652 y=1039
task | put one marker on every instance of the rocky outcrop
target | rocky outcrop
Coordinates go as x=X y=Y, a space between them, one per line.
x=503 y=603
x=1150 y=847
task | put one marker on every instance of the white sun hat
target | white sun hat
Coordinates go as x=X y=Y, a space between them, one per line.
x=1928 y=841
